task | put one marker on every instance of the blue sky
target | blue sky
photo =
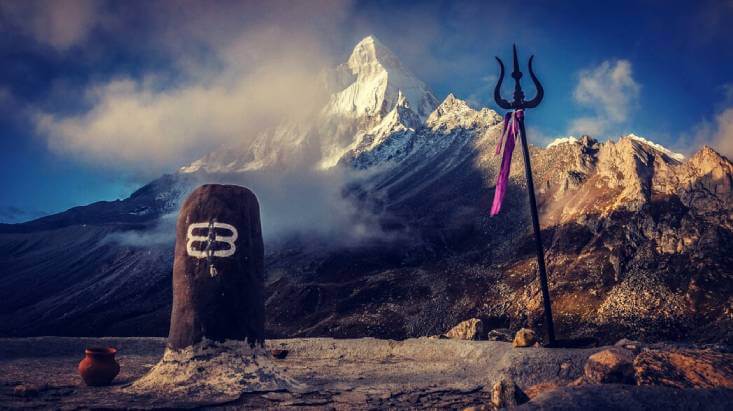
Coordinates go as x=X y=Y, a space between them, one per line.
x=660 y=69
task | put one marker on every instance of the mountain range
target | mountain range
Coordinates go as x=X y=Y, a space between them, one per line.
x=638 y=239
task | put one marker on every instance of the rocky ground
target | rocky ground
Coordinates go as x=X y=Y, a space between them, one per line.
x=371 y=373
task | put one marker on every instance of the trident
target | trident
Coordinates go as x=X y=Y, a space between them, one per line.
x=520 y=104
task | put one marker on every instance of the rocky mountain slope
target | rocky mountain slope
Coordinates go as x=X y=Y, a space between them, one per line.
x=638 y=239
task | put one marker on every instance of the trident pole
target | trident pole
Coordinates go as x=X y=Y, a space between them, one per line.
x=520 y=104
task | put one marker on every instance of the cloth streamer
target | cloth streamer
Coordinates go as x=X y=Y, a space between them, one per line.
x=507 y=139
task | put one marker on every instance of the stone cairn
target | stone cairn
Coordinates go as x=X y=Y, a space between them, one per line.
x=215 y=345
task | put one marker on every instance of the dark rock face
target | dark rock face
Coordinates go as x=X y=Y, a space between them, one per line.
x=218 y=290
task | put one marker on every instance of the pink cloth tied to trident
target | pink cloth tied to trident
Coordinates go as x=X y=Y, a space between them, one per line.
x=508 y=138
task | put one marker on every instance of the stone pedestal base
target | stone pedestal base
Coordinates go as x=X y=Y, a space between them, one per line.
x=215 y=371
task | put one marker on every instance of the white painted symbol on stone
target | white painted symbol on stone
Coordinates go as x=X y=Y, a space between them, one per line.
x=211 y=238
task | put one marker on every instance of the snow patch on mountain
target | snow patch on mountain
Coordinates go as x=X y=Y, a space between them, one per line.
x=563 y=140
x=658 y=147
x=387 y=139
x=400 y=120
x=447 y=132
x=632 y=136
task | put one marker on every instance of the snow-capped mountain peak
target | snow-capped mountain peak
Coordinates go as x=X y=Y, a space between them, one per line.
x=633 y=137
x=451 y=104
x=454 y=112
x=370 y=56
x=378 y=79
x=373 y=96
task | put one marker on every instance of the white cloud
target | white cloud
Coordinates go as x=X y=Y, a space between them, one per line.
x=136 y=124
x=58 y=23
x=610 y=92
x=483 y=95
x=723 y=138
x=537 y=137
x=719 y=134
x=231 y=83
x=592 y=126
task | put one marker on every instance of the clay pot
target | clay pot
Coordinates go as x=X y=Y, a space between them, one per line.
x=99 y=366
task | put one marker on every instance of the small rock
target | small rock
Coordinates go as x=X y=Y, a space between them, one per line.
x=614 y=365
x=26 y=390
x=524 y=338
x=505 y=393
x=688 y=368
x=500 y=334
x=630 y=345
x=472 y=329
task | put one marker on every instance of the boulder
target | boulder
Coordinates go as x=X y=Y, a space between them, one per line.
x=685 y=368
x=505 y=394
x=472 y=329
x=614 y=365
x=218 y=291
x=500 y=334
x=524 y=338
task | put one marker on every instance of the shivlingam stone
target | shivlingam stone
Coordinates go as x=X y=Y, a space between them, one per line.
x=215 y=349
x=218 y=268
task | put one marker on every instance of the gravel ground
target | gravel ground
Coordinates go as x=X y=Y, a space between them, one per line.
x=341 y=374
